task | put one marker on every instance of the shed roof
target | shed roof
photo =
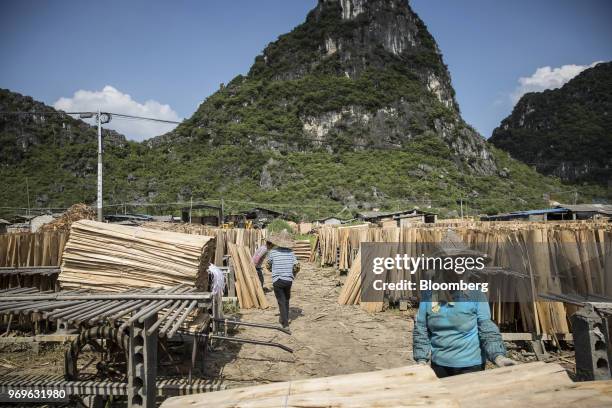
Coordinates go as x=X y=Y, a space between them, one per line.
x=597 y=208
x=540 y=211
x=383 y=214
x=526 y=213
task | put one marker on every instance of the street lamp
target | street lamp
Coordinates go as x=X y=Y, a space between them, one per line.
x=101 y=117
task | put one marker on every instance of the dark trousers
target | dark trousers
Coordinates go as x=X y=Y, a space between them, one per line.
x=442 y=371
x=260 y=274
x=282 y=291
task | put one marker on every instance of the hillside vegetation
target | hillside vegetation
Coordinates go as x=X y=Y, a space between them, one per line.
x=565 y=132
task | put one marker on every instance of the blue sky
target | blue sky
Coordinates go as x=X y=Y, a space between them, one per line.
x=163 y=59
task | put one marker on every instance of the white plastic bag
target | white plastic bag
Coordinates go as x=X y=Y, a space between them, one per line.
x=218 y=280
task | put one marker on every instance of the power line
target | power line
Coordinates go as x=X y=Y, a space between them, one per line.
x=61 y=113
x=118 y=115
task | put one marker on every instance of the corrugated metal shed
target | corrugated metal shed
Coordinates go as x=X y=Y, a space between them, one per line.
x=539 y=212
x=588 y=208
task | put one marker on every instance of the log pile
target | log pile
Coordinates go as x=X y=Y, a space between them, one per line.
x=528 y=385
x=75 y=213
x=108 y=257
x=248 y=288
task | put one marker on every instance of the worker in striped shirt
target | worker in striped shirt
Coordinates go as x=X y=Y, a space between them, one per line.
x=284 y=266
x=258 y=260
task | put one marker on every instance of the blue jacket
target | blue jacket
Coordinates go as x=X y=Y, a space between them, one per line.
x=456 y=334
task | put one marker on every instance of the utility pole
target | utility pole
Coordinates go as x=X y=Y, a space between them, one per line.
x=28 y=193
x=190 y=208
x=99 y=118
x=222 y=220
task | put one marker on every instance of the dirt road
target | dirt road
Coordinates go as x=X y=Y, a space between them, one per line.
x=327 y=338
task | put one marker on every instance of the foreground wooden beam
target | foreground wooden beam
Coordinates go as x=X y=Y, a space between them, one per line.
x=527 y=385
x=416 y=385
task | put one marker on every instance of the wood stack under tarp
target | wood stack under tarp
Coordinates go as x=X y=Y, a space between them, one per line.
x=248 y=288
x=109 y=257
x=537 y=384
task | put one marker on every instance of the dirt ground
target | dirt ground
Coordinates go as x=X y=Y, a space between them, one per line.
x=327 y=338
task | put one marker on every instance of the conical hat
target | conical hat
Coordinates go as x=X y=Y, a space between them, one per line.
x=281 y=239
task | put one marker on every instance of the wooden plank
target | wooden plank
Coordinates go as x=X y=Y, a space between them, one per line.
x=528 y=385
x=398 y=387
x=249 y=291
x=507 y=386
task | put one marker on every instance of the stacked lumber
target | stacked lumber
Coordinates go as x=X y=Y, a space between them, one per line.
x=109 y=257
x=566 y=258
x=301 y=248
x=561 y=258
x=74 y=213
x=351 y=290
x=32 y=249
x=347 y=239
x=248 y=288
x=326 y=245
x=314 y=250
x=251 y=238
x=527 y=385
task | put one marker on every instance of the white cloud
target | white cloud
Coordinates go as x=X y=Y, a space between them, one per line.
x=112 y=100
x=547 y=78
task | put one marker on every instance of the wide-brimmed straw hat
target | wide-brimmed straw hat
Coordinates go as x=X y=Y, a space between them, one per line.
x=281 y=239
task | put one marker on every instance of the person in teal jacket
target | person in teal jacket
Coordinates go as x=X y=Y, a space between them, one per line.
x=457 y=337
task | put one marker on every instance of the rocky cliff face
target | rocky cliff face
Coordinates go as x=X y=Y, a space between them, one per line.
x=566 y=132
x=356 y=74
